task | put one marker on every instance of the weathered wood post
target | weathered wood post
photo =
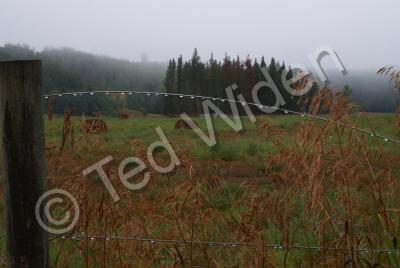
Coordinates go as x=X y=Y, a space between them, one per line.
x=22 y=161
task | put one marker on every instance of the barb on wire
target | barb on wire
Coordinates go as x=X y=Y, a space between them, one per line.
x=286 y=111
x=221 y=244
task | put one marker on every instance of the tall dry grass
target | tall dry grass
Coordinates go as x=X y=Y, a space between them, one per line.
x=329 y=188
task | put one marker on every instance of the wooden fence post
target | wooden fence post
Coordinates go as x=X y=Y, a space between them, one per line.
x=22 y=161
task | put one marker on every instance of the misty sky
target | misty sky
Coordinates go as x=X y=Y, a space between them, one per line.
x=363 y=33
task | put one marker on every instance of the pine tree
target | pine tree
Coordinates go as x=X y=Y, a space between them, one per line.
x=263 y=64
x=179 y=83
x=196 y=79
x=167 y=86
x=186 y=106
x=249 y=78
x=170 y=87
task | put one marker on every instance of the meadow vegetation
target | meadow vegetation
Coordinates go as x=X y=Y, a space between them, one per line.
x=284 y=180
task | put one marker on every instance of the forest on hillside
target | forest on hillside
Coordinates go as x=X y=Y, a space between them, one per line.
x=68 y=70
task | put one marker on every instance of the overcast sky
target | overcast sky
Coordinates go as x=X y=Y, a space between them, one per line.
x=364 y=33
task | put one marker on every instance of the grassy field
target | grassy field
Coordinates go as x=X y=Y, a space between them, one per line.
x=284 y=180
x=246 y=143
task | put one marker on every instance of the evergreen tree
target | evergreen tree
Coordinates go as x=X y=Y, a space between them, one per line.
x=179 y=83
x=263 y=64
x=170 y=87
x=250 y=78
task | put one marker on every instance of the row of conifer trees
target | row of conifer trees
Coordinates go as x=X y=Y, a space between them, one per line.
x=210 y=78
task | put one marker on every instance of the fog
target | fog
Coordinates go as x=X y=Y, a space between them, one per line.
x=363 y=33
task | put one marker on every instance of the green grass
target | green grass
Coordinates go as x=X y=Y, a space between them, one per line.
x=231 y=145
x=244 y=152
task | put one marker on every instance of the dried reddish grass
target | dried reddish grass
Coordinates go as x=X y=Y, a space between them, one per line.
x=346 y=196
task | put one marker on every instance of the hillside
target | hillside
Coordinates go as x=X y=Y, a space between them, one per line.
x=66 y=69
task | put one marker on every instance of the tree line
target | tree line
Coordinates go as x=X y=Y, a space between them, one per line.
x=212 y=77
x=69 y=70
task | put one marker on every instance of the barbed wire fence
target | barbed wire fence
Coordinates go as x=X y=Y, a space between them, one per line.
x=243 y=103
x=230 y=244
x=220 y=244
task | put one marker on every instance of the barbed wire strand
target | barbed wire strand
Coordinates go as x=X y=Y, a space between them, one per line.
x=261 y=106
x=216 y=243
x=220 y=244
